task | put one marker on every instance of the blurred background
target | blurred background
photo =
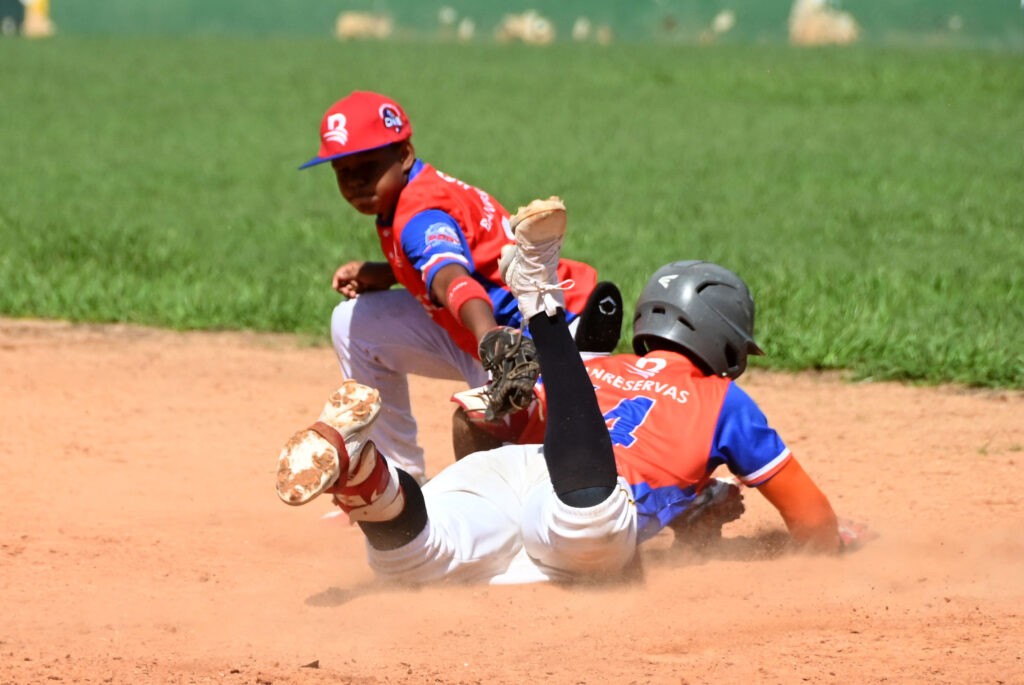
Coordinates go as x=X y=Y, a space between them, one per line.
x=980 y=23
x=859 y=163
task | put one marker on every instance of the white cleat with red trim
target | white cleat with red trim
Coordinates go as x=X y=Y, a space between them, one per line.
x=530 y=267
x=334 y=455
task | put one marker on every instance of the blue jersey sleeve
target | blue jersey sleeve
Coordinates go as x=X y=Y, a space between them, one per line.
x=431 y=240
x=744 y=442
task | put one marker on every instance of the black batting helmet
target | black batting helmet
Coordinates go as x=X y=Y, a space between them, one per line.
x=703 y=308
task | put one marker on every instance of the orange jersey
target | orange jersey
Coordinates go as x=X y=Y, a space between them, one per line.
x=671 y=427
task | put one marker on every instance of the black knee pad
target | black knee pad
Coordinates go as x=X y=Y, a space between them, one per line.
x=385 y=535
x=586 y=497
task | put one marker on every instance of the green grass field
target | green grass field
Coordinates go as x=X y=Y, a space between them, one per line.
x=873 y=199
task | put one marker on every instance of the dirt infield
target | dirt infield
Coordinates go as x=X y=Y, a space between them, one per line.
x=142 y=542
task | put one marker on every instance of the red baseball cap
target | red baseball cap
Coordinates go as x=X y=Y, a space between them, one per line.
x=358 y=122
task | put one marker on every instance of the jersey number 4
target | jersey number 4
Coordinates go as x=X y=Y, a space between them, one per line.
x=626 y=417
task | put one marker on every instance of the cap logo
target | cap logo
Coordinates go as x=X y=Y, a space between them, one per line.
x=391 y=118
x=336 y=132
x=666 y=280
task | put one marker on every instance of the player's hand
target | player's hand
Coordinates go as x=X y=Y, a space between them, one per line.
x=853 y=535
x=360 y=276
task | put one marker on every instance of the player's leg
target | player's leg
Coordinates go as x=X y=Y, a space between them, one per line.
x=380 y=338
x=590 y=524
x=472 y=531
x=469 y=437
x=472 y=534
x=577 y=445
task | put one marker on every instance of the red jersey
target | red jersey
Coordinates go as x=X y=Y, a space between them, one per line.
x=441 y=220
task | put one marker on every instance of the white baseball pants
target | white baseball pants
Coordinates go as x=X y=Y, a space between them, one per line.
x=380 y=338
x=494 y=518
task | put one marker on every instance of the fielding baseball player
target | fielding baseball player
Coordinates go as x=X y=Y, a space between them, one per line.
x=442 y=239
x=578 y=505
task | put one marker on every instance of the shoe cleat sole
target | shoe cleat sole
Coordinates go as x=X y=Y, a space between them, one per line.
x=309 y=463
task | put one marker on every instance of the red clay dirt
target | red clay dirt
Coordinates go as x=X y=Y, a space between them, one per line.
x=142 y=540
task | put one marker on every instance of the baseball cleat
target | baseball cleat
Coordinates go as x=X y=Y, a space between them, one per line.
x=546 y=219
x=600 y=322
x=314 y=459
x=372 y=492
x=530 y=267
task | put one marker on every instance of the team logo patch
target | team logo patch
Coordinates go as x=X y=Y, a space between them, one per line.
x=646 y=367
x=390 y=117
x=441 y=233
x=336 y=131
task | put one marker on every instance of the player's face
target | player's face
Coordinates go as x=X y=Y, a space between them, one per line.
x=371 y=181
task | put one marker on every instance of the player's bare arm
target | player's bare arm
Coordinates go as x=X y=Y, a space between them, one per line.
x=357 y=277
x=805 y=509
x=476 y=314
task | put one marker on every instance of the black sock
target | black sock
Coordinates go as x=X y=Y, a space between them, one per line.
x=398 y=531
x=577 y=447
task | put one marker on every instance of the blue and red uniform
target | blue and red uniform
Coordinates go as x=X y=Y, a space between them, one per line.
x=671 y=426
x=441 y=220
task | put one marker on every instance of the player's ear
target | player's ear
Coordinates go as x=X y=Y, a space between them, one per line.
x=407 y=154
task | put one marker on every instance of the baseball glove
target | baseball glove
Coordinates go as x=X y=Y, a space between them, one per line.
x=511 y=359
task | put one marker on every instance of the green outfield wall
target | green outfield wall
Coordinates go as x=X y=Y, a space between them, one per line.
x=996 y=24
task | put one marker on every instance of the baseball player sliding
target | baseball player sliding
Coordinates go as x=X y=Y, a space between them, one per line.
x=579 y=504
x=441 y=239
